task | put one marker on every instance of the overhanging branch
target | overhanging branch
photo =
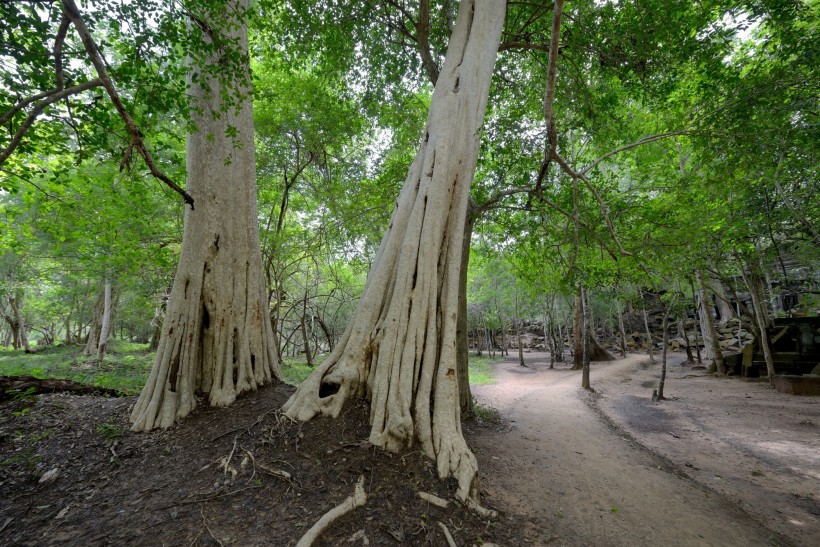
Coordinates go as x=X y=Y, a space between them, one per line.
x=73 y=13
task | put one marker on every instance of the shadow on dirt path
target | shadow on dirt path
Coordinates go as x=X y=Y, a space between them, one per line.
x=581 y=481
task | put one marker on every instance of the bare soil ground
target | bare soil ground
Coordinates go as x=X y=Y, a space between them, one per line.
x=238 y=476
x=726 y=462
x=722 y=462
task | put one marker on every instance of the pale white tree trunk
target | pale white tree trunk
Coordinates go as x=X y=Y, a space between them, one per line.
x=103 y=305
x=216 y=338
x=105 y=327
x=710 y=335
x=400 y=348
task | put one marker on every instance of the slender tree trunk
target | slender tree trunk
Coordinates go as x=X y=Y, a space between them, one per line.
x=665 y=328
x=697 y=321
x=559 y=346
x=106 y=325
x=752 y=281
x=548 y=337
x=725 y=310
x=585 y=348
x=521 y=362
x=709 y=326
x=217 y=338
x=18 y=325
x=400 y=347
x=683 y=334
x=650 y=344
x=465 y=396
x=578 y=330
x=69 y=339
x=621 y=329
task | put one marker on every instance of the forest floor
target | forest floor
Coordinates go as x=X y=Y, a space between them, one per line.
x=71 y=473
x=723 y=461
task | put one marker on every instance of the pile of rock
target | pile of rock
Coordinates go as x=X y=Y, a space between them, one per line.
x=733 y=337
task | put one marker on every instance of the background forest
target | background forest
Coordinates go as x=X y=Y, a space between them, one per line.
x=686 y=139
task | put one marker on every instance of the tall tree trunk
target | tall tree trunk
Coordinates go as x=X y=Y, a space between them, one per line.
x=585 y=344
x=103 y=306
x=18 y=325
x=683 y=334
x=107 y=323
x=710 y=335
x=665 y=328
x=724 y=309
x=217 y=337
x=752 y=280
x=650 y=344
x=577 y=330
x=399 y=349
x=621 y=329
x=465 y=396
x=521 y=362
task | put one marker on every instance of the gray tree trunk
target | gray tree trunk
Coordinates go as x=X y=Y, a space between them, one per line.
x=585 y=340
x=107 y=323
x=217 y=337
x=400 y=348
x=710 y=335
x=621 y=329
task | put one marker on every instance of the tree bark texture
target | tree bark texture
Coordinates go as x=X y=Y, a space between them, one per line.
x=107 y=322
x=465 y=396
x=725 y=311
x=753 y=282
x=216 y=337
x=577 y=330
x=400 y=348
x=95 y=330
x=585 y=344
x=665 y=328
x=621 y=329
x=650 y=344
x=710 y=336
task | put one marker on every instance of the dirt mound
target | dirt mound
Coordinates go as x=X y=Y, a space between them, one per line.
x=71 y=472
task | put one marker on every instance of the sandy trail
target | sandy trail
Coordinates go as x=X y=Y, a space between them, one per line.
x=580 y=480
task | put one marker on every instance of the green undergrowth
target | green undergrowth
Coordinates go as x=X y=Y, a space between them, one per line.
x=480 y=370
x=125 y=367
x=296 y=369
x=127 y=364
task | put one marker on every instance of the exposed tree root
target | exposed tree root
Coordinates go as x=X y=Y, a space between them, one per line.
x=450 y=541
x=435 y=500
x=358 y=499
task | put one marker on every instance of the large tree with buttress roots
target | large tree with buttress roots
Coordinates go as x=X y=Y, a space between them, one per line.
x=217 y=340
x=399 y=350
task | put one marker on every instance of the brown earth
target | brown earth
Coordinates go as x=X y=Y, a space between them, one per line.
x=238 y=476
x=724 y=462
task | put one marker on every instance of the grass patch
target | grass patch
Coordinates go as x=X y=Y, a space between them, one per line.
x=487 y=413
x=480 y=370
x=125 y=367
x=295 y=370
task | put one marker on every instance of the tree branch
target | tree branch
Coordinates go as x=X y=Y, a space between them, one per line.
x=505 y=46
x=50 y=97
x=639 y=142
x=423 y=40
x=73 y=13
x=578 y=176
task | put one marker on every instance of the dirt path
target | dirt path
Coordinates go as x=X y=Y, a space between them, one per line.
x=580 y=480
